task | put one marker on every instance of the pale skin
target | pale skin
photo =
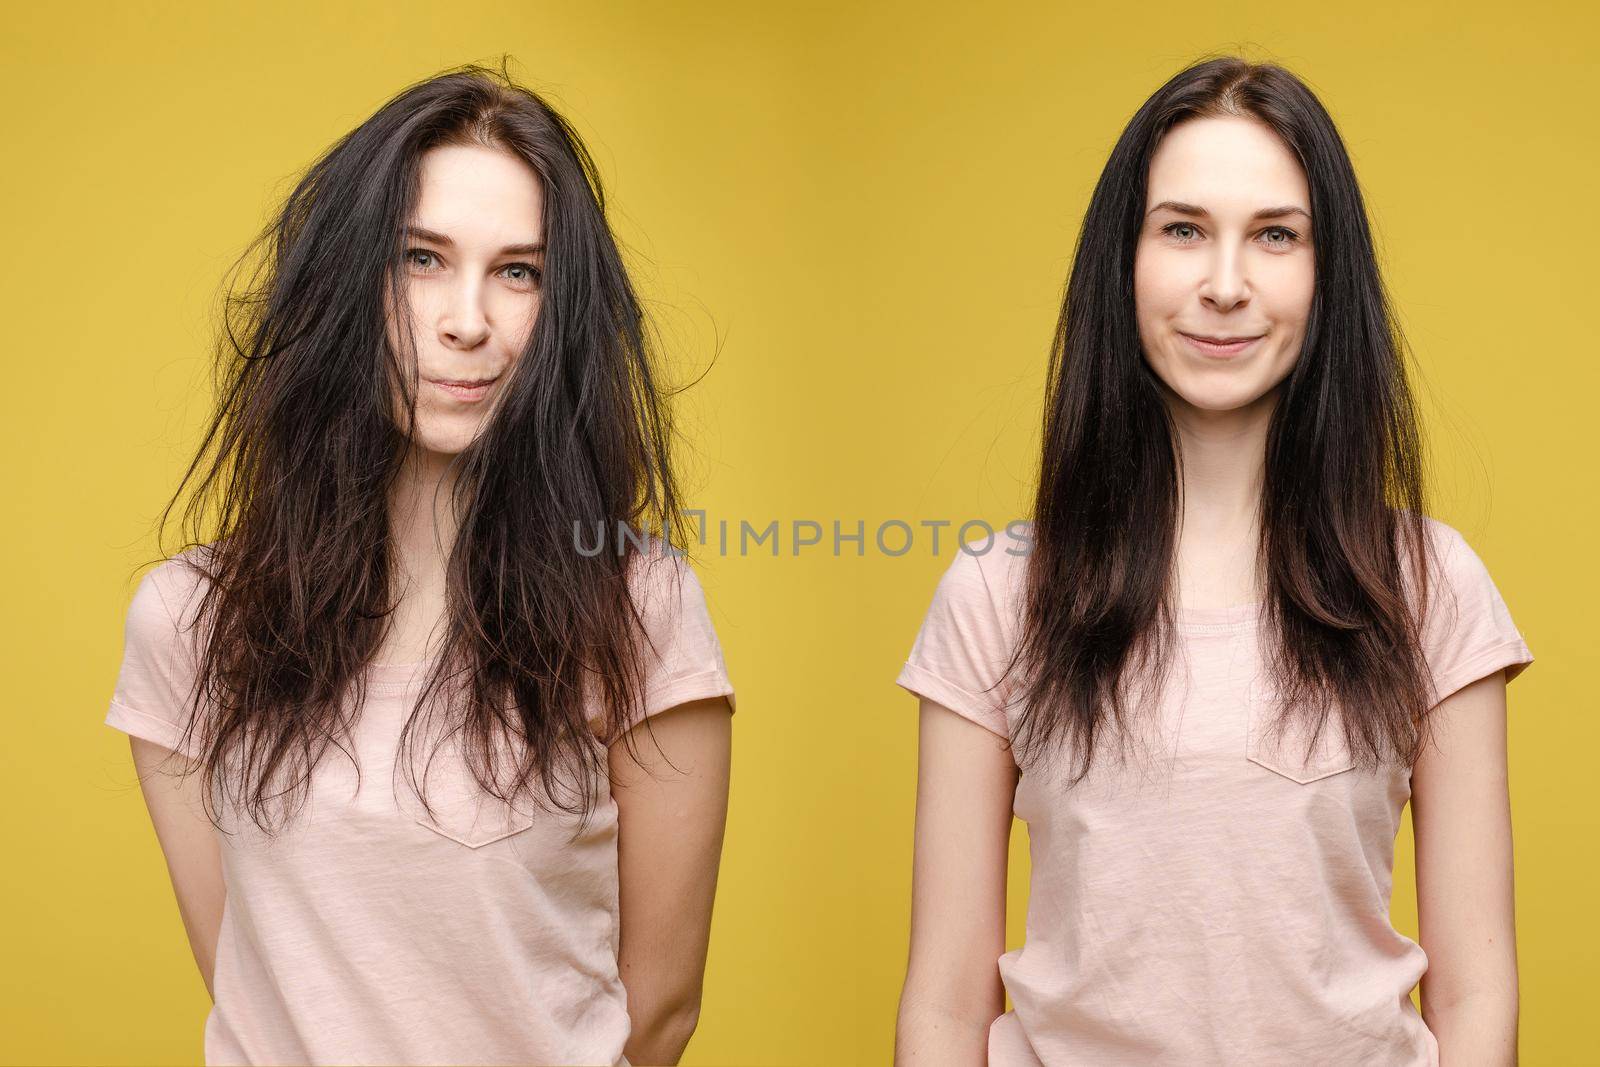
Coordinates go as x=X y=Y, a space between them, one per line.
x=1210 y=263
x=474 y=294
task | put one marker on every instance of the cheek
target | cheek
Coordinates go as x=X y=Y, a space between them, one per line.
x=523 y=315
x=512 y=316
x=1289 y=292
x=1159 y=289
x=403 y=341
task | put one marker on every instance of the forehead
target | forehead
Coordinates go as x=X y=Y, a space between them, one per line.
x=479 y=195
x=1226 y=163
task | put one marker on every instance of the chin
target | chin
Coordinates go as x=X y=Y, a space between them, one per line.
x=446 y=433
x=445 y=445
x=1211 y=397
x=1221 y=405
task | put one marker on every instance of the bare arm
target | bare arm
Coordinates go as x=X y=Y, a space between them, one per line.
x=669 y=845
x=1461 y=815
x=189 y=843
x=966 y=782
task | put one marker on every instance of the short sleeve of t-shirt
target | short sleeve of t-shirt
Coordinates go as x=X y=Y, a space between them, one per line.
x=1468 y=633
x=683 y=659
x=961 y=651
x=151 y=698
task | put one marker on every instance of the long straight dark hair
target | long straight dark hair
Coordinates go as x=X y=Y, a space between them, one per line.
x=295 y=473
x=1342 y=506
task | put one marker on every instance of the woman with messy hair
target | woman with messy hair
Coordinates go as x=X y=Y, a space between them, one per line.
x=443 y=788
x=1236 y=647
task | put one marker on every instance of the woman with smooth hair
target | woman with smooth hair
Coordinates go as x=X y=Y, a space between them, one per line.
x=437 y=754
x=1231 y=648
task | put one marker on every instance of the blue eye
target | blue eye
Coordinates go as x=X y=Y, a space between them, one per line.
x=1289 y=238
x=1171 y=228
x=427 y=261
x=531 y=274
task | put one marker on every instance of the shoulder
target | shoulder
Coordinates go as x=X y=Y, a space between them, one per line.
x=980 y=592
x=991 y=571
x=1456 y=570
x=661 y=576
x=1466 y=627
x=962 y=651
x=669 y=601
x=167 y=597
x=1445 y=540
x=682 y=655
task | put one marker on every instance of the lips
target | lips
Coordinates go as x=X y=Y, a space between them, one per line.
x=1220 y=346
x=464 y=388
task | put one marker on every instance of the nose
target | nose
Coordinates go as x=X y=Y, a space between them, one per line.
x=463 y=324
x=1225 y=286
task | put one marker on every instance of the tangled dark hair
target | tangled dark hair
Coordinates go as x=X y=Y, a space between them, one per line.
x=289 y=512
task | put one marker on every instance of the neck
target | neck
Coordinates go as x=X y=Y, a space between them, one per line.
x=1223 y=473
x=1224 y=463
x=422 y=519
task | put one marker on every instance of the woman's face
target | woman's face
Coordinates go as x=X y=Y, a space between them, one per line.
x=472 y=268
x=1224 y=255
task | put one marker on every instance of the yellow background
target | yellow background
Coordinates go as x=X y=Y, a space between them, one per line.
x=871 y=210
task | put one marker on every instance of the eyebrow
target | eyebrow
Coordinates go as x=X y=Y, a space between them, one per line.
x=422 y=234
x=1200 y=212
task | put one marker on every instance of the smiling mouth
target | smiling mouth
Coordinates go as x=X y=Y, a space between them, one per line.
x=465 y=388
x=1220 y=346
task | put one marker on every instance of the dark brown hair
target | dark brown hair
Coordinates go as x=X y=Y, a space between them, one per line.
x=290 y=505
x=1342 y=506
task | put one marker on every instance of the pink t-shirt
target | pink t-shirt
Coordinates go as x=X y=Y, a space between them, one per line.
x=1219 y=899
x=367 y=934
